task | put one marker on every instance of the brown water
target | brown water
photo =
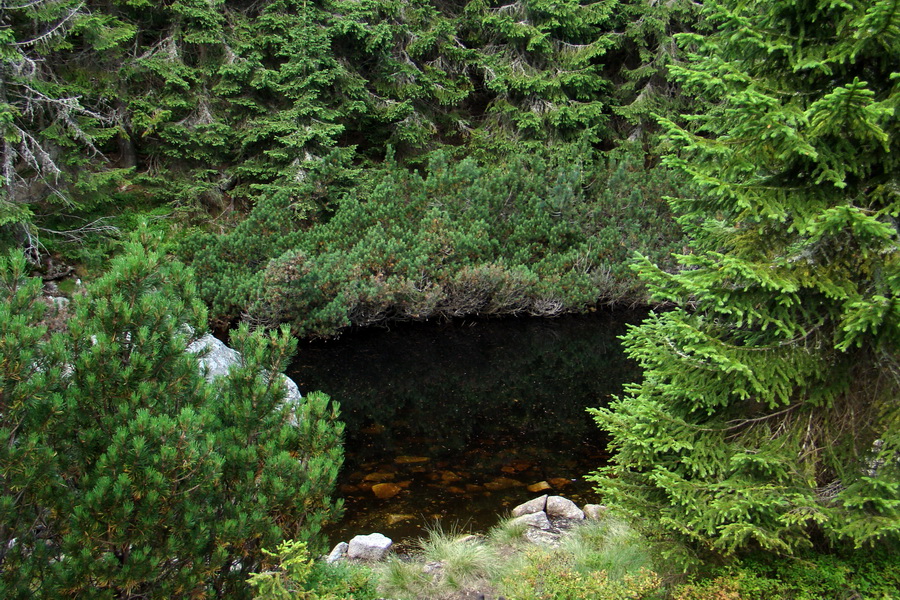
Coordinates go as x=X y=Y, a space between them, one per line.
x=457 y=420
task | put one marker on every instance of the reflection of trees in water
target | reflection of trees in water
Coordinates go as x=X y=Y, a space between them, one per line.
x=450 y=385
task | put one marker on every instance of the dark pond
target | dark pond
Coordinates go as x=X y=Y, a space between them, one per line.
x=458 y=419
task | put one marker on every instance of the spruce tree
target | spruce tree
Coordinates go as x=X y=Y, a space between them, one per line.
x=768 y=415
x=41 y=118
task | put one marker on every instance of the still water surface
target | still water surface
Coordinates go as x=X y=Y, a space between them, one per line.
x=460 y=418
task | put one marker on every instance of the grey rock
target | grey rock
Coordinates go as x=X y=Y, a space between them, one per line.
x=534 y=505
x=337 y=553
x=432 y=567
x=216 y=359
x=540 y=537
x=537 y=520
x=594 y=511
x=293 y=396
x=557 y=506
x=374 y=547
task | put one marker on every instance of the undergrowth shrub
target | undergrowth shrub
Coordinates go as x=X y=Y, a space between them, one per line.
x=528 y=235
x=553 y=576
x=860 y=574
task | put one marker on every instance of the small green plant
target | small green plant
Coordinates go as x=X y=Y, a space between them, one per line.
x=297 y=577
x=344 y=581
x=552 y=575
x=285 y=582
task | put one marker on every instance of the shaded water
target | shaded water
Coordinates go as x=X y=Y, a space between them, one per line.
x=459 y=418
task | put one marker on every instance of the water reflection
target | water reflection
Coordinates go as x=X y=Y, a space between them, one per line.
x=454 y=421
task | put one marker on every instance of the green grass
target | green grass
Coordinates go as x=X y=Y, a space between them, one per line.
x=465 y=561
x=403 y=580
x=609 y=545
x=507 y=533
x=600 y=560
x=597 y=560
x=445 y=562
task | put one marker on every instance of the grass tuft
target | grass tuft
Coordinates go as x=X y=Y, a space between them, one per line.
x=609 y=545
x=402 y=580
x=465 y=560
x=507 y=534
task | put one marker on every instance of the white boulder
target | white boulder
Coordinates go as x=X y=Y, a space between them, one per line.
x=374 y=547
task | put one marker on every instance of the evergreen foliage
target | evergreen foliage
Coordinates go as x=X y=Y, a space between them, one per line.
x=126 y=474
x=768 y=414
x=810 y=576
x=46 y=133
x=525 y=236
x=644 y=86
x=296 y=576
x=204 y=107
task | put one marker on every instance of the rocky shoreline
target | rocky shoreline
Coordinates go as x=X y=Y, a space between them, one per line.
x=544 y=520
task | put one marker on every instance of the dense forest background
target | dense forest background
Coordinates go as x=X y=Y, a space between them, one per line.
x=391 y=159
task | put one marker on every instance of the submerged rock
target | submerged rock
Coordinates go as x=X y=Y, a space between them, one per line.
x=560 y=482
x=539 y=487
x=409 y=460
x=372 y=547
x=450 y=477
x=379 y=477
x=386 y=490
x=502 y=483
x=394 y=519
